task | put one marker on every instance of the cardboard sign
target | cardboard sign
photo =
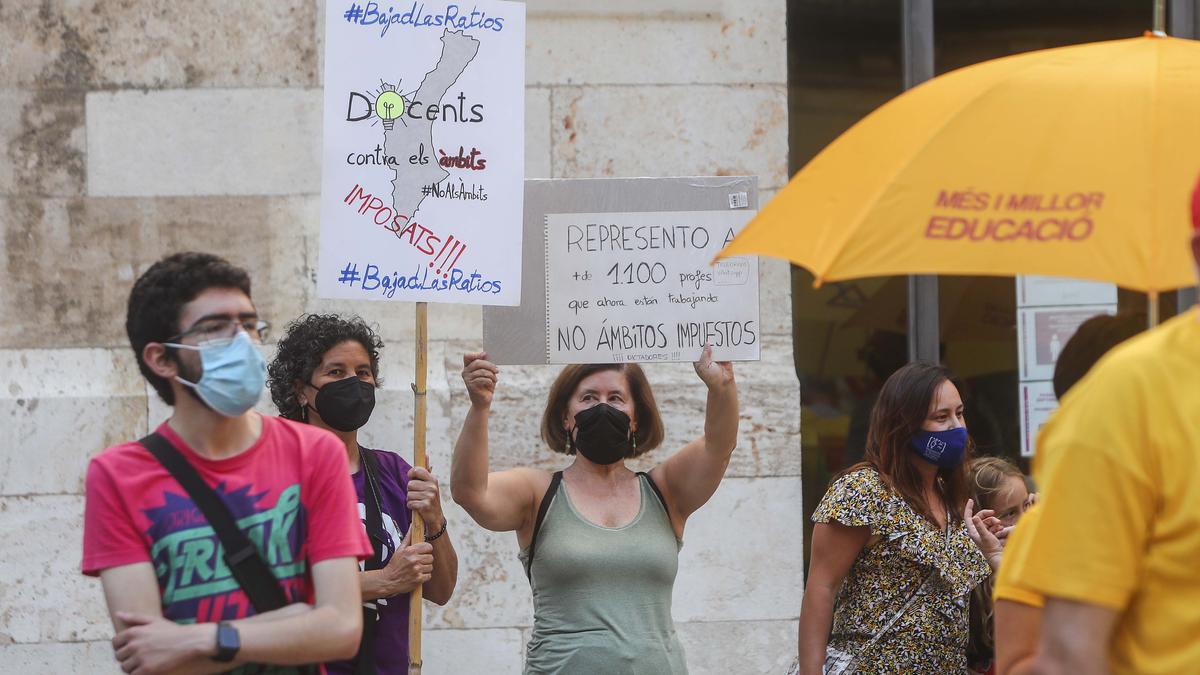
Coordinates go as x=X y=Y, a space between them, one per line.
x=621 y=270
x=421 y=192
x=641 y=287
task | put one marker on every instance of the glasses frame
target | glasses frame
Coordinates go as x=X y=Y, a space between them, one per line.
x=261 y=329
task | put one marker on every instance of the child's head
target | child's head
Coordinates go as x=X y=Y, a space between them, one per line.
x=998 y=485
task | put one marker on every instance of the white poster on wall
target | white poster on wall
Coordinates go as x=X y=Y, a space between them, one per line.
x=1042 y=291
x=1043 y=331
x=626 y=287
x=1037 y=402
x=423 y=161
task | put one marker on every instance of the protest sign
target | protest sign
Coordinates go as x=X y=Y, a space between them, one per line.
x=640 y=287
x=620 y=270
x=421 y=192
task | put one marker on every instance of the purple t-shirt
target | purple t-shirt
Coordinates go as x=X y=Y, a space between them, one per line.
x=391 y=631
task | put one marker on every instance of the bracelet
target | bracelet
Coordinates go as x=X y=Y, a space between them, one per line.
x=435 y=535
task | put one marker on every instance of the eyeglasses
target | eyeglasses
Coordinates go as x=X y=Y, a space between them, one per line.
x=222 y=328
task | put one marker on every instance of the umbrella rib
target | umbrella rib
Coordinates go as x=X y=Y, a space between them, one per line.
x=884 y=185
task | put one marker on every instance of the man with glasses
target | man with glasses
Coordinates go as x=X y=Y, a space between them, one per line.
x=174 y=603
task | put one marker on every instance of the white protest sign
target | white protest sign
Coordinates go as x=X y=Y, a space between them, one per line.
x=424 y=151
x=624 y=287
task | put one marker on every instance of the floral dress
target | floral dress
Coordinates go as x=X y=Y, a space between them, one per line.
x=931 y=634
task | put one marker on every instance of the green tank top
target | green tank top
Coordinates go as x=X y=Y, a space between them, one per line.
x=602 y=596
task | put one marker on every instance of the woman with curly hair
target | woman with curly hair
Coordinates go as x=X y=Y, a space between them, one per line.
x=600 y=543
x=325 y=374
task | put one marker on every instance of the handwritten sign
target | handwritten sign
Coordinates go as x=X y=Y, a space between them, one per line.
x=421 y=191
x=626 y=287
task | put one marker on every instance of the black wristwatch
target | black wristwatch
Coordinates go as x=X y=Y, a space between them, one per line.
x=228 y=642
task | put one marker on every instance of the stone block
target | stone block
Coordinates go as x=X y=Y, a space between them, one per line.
x=141 y=44
x=49 y=658
x=650 y=43
x=492 y=590
x=700 y=130
x=75 y=260
x=41 y=133
x=537 y=132
x=204 y=142
x=100 y=393
x=774 y=287
x=729 y=647
x=40 y=568
x=742 y=554
x=459 y=652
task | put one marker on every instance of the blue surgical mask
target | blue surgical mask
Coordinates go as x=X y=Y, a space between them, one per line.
x=233 y=374
x=943 y=448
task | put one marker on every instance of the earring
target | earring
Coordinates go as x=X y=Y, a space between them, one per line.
x=570 y=449
x=633 y=437
x=304 y=411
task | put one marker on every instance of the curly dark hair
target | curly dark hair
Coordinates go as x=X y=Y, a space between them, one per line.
x=301 y=348
x=158 y=296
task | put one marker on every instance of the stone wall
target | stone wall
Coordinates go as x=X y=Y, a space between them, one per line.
x=134 y=128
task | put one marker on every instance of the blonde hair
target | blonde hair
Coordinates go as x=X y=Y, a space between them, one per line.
x=987 y=479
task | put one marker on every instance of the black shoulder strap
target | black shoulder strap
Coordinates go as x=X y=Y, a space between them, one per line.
x=657 y=492
x=243 y=558
x=364 y=661
x=541 y=515
x=373 y=502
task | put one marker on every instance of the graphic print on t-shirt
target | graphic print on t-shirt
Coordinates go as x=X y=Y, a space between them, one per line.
x=189 y=560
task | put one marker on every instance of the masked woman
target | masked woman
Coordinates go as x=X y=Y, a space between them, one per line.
x=325 y=373
x=600 y=543
x=896 y=549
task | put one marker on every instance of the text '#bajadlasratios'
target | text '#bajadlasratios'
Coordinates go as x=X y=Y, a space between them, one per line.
x=374 y=280
x=372 y=14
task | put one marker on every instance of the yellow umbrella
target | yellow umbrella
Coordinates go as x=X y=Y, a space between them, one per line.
x=1075 y=162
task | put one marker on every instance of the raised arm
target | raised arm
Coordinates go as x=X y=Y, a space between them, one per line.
x=691 y=476
x=500 y=501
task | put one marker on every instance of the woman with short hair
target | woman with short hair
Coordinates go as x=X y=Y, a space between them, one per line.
x=600 y=543
x=325 y=373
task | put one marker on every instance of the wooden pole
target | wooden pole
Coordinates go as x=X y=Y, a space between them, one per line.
x=1152 y=309
x=419 y=459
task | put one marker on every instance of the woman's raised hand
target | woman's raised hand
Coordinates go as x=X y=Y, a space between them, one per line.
x=715 y=374
x=982 y=530
x=479 y=375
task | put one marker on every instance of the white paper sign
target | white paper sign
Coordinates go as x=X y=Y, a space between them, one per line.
x=424 y=151
x=1042 y=333
x=1041 y=291
x=639 y=287
x=1037 y=403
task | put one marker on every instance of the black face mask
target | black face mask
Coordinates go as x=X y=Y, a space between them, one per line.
x=346 y=404
x=602 y=434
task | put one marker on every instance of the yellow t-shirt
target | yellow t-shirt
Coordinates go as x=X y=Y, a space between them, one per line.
x=1118 y=521
x=1016 y=552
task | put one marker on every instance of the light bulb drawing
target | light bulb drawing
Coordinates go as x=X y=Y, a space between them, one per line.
x=389 y=106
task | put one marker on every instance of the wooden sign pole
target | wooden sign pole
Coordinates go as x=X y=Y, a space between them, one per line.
x=419 y=459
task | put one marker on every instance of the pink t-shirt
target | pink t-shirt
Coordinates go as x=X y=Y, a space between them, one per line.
x=290 y=493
